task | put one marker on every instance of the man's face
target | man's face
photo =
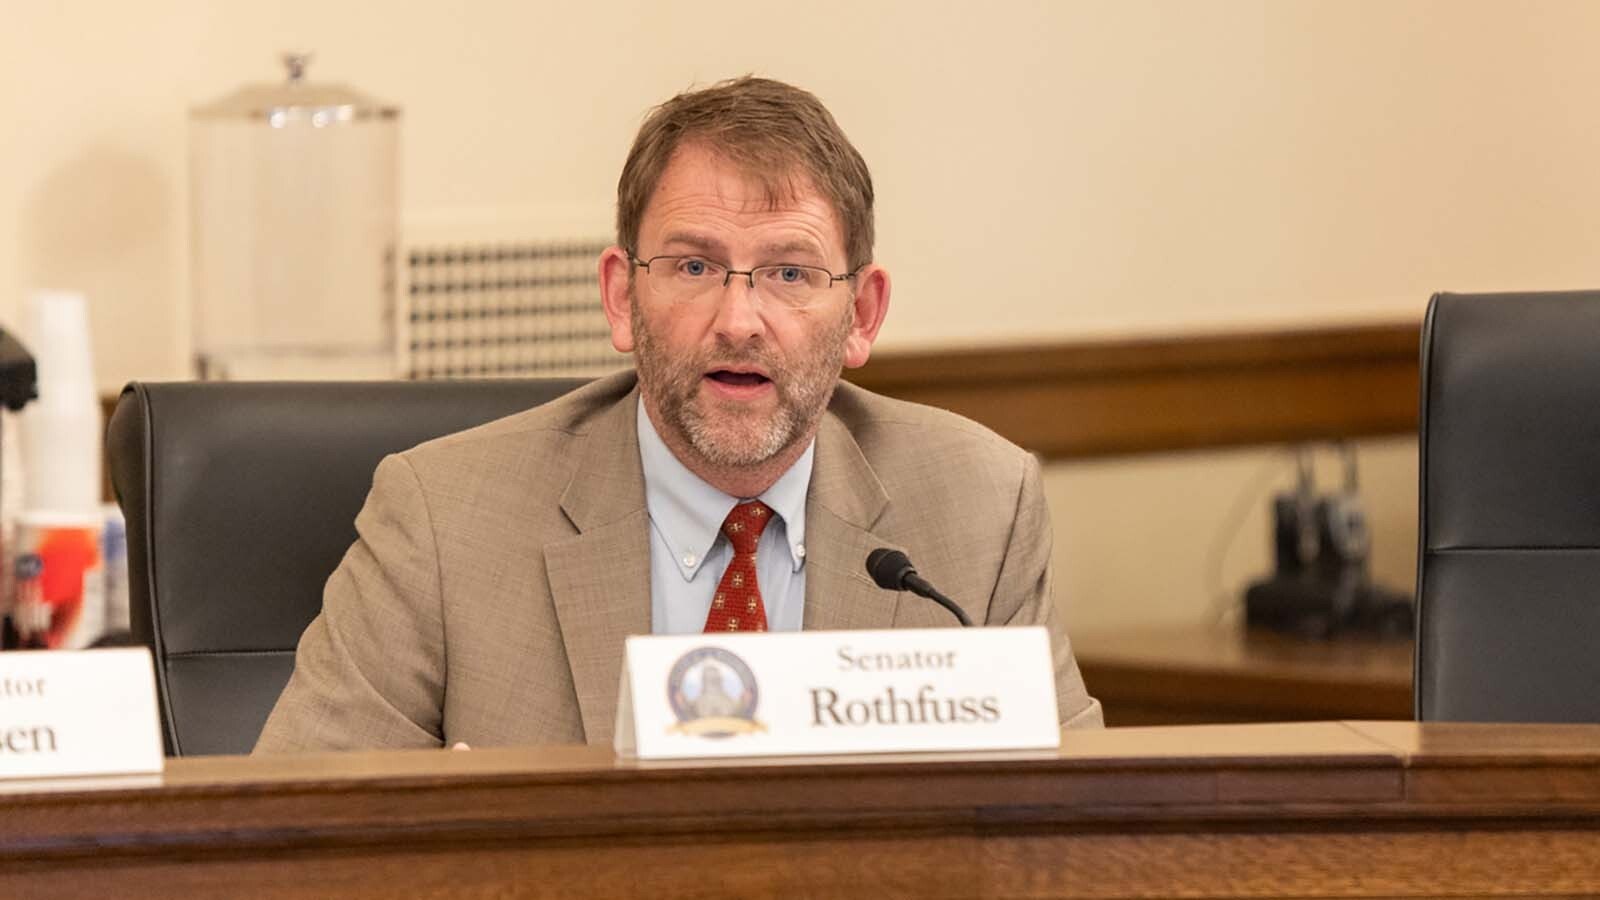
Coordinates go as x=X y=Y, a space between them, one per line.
x=737 y=378
x=737 y=405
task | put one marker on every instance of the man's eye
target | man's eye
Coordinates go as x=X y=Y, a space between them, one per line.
x=786 y=275
x=695 y=267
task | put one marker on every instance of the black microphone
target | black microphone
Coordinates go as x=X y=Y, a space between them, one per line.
x=893 y=571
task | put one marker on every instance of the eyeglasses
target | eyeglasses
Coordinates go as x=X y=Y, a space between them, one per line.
x=680 y=278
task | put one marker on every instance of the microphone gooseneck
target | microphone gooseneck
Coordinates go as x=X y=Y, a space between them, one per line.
x=893 y=571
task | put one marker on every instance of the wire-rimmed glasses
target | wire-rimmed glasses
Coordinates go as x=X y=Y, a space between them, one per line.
x=680 y=278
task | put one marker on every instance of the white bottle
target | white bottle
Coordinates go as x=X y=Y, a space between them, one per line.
x=62 y=430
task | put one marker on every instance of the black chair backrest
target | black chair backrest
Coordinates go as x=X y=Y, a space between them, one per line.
x=1508 y=586
x=240 y=501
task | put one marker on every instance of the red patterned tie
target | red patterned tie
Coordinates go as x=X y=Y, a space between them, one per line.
x=737 y=606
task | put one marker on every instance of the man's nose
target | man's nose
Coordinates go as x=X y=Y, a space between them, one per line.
x=738 y=316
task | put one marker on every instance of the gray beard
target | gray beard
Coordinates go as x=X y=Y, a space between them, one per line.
x=730 y=440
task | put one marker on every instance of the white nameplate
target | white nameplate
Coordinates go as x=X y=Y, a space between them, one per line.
x=79 y=712
x=832 y=692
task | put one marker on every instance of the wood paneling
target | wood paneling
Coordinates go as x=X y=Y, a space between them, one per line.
x=1101 y=398
x=1310 y=810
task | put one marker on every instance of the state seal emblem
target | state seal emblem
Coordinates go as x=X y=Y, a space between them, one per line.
x=713 y=694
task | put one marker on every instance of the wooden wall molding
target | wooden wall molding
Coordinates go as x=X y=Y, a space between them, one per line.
x=1080 y=399
x=1101 y=398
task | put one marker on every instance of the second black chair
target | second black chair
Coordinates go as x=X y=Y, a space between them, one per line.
x=1508 y=593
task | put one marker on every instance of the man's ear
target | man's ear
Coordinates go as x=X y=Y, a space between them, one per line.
x=871 y=306
x=616 y=275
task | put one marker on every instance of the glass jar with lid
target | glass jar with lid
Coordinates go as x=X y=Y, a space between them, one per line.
x=294 y=208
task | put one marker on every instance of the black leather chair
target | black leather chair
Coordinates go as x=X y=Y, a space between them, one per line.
x=240 y=501
x=1508 y=588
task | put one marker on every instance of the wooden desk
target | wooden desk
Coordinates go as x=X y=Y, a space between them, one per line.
x=1178 y=676
x=1300 y=810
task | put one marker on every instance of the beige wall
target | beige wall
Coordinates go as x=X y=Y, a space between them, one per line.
x=1097 y=167
x=1044 y=168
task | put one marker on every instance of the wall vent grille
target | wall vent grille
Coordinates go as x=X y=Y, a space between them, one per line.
x=506 y=309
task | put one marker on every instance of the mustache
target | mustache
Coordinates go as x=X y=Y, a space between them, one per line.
x=728 y=355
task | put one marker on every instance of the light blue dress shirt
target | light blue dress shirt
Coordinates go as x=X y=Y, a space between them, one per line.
x=688 y=552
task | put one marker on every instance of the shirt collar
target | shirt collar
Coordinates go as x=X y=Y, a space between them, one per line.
x=689 y=513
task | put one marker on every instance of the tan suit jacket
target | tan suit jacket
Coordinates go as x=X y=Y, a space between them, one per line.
x=498 y=570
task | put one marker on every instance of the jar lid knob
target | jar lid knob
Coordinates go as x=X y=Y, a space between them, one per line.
x=296 y=64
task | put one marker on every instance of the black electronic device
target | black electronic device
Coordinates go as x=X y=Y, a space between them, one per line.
x=19 y=375
x=19 y=384
x=1320 y=585
x=892 y=570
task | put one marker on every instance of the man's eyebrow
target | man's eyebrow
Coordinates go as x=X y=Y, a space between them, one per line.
x=692 y=240
x=797 y=247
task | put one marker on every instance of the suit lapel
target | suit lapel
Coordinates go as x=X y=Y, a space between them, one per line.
x=600 y=579
x=846 y=499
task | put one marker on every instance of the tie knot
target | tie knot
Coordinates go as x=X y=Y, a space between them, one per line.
x=744 y=525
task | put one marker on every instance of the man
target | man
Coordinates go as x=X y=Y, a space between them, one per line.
x=731 y=483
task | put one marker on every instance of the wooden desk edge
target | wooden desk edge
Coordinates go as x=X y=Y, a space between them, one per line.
x=1331 y=772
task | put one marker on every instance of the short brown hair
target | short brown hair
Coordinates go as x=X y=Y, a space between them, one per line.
x=767 y=128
